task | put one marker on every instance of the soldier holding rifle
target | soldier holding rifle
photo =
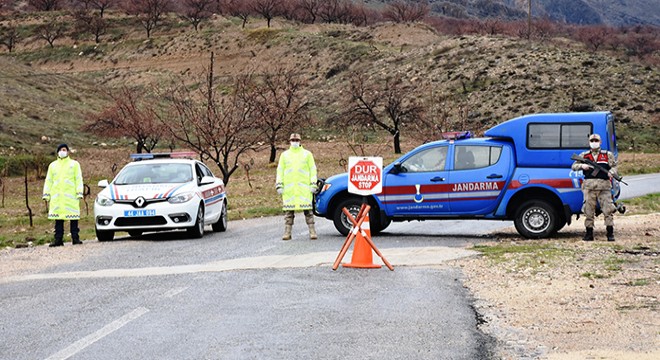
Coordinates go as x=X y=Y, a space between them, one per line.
x=597 y=186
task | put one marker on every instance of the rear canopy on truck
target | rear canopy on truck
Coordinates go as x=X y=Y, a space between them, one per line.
x=549 y=140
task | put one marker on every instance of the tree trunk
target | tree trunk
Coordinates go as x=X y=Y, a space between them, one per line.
x=273 y=153
x=397 y=142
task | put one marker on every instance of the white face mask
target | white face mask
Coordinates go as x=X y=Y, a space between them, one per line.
x=295 y=144
x=62 y=154
x=594 y=145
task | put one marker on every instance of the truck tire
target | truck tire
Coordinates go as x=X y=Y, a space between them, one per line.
x=536 y=219
x=353 y=204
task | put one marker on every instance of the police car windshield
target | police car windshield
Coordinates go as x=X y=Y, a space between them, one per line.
x=154 y=174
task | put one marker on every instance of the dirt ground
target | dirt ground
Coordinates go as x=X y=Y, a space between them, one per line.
x=599 y=301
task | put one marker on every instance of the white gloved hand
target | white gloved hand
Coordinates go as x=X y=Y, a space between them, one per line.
x=586 y=167
x=280 y=190
x=313 y=189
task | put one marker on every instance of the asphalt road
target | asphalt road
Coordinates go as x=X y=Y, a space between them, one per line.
x=246 y=294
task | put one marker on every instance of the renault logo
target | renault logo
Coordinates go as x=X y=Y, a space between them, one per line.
x=139 y=202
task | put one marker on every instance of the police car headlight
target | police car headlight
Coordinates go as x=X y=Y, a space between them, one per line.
x=181 y=198
x=104 y=201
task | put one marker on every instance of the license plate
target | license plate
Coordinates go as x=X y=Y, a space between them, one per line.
x=138 y=213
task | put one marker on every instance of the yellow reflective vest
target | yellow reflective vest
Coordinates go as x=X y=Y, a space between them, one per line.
x=296 y=174
x=63 y=189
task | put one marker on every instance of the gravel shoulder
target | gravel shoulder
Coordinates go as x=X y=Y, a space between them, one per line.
x=575 y=299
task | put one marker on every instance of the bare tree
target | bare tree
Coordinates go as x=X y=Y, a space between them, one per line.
x=593 y=36
x=405 y=11
x=44 y=5
x=149 y=12
x=87 y=22
x=267 y=8
x=103 y=5
x=280 y=104
x=9 y=36
x=196 y=11
x=220 y=129
x=51 y=31
x=388 y=106
x=310 y=9
x=242 y=9
x=132 y=115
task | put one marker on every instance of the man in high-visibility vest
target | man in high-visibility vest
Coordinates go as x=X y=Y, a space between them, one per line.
x=296 y=182
x=63 y=190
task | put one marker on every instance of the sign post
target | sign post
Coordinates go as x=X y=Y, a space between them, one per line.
x=365 y=177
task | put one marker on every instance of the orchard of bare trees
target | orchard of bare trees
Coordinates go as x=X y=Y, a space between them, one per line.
x=257 y=109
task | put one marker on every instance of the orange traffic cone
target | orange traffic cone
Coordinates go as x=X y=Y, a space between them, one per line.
x=362 y=255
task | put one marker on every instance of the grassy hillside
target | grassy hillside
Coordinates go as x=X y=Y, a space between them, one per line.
x=466 y=82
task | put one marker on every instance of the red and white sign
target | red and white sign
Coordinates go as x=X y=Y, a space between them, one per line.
x=365 y=175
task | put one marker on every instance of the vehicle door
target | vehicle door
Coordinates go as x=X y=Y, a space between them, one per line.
x=212 y=193
x=478 y=177
x=418 y=186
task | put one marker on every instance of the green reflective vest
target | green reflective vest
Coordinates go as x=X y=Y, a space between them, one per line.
x=296 y=174
x=63 y=189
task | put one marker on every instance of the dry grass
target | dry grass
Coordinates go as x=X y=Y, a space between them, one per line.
x=250 y=189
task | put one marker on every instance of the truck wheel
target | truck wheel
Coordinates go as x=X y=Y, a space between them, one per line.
x=343 y=225
x=536 y=219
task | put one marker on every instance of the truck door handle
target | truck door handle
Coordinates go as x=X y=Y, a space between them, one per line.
x=494 y=176
x=438 y=178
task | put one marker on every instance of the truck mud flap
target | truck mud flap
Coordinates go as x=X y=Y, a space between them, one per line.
x=568 y=214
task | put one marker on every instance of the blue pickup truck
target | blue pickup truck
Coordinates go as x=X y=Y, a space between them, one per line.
x=520 y=170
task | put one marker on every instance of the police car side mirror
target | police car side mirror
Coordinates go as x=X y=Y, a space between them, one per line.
x=207 y=180
x=103 y=183
x=396 y=168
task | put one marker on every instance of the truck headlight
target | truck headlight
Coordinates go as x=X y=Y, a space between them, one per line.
x=104 y=201
x=181 y=198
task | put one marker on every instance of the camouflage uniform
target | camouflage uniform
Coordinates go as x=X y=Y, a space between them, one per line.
x=597 y=187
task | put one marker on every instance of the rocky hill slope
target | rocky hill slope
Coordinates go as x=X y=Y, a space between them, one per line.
x=610 y=12
x=466 y=82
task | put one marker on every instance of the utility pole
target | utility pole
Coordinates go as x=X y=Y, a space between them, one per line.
x=529 y=19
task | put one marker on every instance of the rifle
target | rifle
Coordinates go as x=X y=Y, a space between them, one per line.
x=596 y=167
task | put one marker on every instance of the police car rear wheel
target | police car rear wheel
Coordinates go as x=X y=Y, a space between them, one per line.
x=197 y=231
x=536 y=219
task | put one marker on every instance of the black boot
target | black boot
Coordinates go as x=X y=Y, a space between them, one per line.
x=76 y=241
x=589 y=235
x=57 y=242
x=610 y=233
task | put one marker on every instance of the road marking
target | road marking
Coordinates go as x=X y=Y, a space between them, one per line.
x=174 y=292
x=92 y=338
x=423 y=256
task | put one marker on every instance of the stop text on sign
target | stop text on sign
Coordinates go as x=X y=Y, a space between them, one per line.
x=365 y=175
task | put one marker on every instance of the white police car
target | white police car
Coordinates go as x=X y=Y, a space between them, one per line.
x=158 y=192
